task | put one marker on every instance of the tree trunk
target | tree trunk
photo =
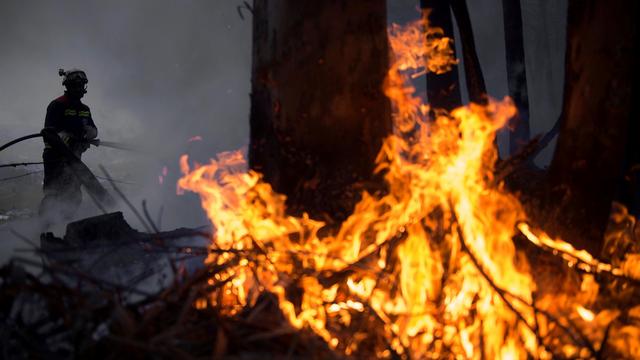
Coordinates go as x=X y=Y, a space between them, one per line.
x=516 y=73
x=472 y=70
x=596 y=116
x=443 y=90
x=318 y=113
x=629 y=193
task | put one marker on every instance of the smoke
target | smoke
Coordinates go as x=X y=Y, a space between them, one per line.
x=160 y=72
x=164 y=71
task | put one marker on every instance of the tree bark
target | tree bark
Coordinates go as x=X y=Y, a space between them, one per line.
x=318 y=113
x=596 y=117
x=629 y=193
x=443 y=90
x=516 y=73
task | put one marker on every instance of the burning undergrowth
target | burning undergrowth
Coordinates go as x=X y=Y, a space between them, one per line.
x=428 y=269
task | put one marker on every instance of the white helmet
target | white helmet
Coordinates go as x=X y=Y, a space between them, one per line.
x=74 y=78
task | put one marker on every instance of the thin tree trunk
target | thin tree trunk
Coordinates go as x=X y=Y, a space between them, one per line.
x=596 y=118
x=443 y=90
x=472 y=70
x=629 y=193
x=516 y=73
x=318 y=113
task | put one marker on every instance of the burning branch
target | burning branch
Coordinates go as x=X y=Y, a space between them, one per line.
x=504 y=293
x=581 y=260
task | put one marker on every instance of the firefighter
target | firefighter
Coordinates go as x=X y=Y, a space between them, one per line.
x=71 y=120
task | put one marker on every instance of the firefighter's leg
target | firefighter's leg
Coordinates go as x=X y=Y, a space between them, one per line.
x=52 y=186
x=71 y=195
x=62 y=194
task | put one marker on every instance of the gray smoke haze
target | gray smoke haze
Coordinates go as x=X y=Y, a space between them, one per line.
x=163 y=71
x=160 y=72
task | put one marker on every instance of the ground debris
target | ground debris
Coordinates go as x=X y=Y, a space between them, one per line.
x=73 y=306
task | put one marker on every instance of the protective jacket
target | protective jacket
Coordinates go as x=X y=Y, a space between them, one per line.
x=72 y=120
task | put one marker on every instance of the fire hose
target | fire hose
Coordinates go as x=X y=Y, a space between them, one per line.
x=94 y=142
x=84 y=174
x=27 y=137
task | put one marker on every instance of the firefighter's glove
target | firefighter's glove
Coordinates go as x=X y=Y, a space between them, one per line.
x=67 y=138
x=89 y=132
x=75 y=144
x=83 y=146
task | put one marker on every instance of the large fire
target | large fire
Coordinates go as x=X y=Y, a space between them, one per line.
x=427 y=270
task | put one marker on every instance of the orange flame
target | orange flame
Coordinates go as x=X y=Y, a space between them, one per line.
x=585 y=314
x=432 y=261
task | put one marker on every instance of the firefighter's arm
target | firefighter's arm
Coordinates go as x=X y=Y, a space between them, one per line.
x=76 y=144
x=54 y=115
x=54 y=138
x=66 y=137
x=90 y=132
x=90 y=129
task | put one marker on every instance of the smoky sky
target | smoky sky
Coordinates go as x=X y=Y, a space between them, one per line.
x=161 y=72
